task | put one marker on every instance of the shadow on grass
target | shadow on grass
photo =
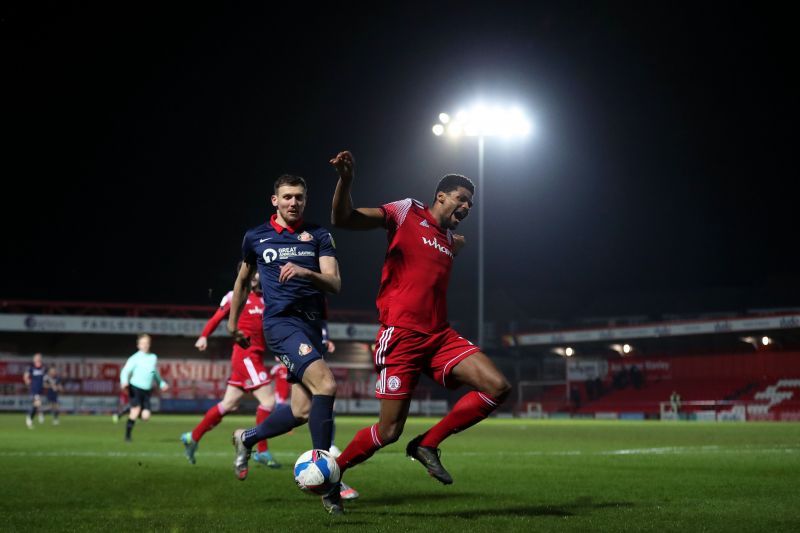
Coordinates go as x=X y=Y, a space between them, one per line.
x=578 y=507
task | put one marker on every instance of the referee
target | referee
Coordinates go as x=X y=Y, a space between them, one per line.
x=137 y=376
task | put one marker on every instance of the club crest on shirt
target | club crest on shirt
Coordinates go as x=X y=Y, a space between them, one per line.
x=304 y=349
x=305 y=236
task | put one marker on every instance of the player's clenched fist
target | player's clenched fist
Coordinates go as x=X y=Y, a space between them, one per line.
x=458 y=243
x=343 y=162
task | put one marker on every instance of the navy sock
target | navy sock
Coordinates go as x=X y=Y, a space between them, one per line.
x=333 y=432
x=129 y=428
x=281 y=421
x=32 y=412
x=320 y=421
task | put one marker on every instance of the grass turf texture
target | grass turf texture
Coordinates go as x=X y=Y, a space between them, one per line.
x=510 y=475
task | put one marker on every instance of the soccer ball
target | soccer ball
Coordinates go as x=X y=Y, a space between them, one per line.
x=316 y=471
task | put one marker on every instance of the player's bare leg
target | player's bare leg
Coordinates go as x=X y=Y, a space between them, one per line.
x=266 y=400
x=133 y=416
x=480 y=373
x=491 y=389
x=230 y=403
x=369 y=440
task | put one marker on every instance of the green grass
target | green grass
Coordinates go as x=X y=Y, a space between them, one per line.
x=510 y=475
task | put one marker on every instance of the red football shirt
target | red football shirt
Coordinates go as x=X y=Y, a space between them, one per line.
x=249 y=320
x=416 y=269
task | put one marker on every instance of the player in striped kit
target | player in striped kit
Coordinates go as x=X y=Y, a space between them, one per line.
x=248 y=373
x=415 y=336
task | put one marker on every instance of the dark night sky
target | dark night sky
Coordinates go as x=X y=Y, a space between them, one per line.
x=143 y=140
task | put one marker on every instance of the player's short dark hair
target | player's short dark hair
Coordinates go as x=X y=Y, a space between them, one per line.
x=452 y=182
x=289 y=179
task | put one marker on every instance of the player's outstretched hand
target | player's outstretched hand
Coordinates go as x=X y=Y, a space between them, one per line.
x=164 y=386
x=201 y=344
x=344 y=163
x=290 y=270
x=458 y=243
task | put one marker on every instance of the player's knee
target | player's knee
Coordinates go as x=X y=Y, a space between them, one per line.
x=391 y=432
x=229 y=407
x=499 y=388
x=327 y=386
x=301 y=416
x=269 y=405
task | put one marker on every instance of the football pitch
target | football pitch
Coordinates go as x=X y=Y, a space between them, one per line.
x=510 y=475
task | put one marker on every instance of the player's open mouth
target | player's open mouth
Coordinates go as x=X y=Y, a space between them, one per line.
x=460 y=215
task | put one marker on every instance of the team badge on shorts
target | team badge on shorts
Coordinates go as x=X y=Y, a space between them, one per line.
x=393 y=383
x=304 y=349
x=305 y=236
x=262 y=376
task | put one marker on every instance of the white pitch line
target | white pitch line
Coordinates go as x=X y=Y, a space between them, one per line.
x=673 y=450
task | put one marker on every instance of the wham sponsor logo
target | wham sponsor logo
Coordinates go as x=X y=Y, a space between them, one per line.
x=435 y=244
x=256 y=310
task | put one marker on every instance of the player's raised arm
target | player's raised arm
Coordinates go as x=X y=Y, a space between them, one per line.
x=241 y=288
x=343 y=215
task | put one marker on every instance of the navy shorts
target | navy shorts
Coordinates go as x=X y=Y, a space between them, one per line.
x=296 y=342
x=52 y=396
x=139 y=397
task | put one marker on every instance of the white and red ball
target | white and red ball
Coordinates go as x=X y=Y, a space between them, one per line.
x=316 y=471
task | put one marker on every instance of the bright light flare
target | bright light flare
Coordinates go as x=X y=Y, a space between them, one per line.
x=486 y=121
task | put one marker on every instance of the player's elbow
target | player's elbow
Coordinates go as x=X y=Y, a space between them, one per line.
x=336 y=286
x=339 y=218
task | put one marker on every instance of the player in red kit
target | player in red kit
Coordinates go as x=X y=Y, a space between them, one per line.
x=248 y=373
x=415 y=336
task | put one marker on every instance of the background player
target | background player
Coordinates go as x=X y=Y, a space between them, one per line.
x=137 y=376
x=52 y=383
x=34 y=379
x=123 y=406
x=415 y=336
x=248 y=373
x=297 y=263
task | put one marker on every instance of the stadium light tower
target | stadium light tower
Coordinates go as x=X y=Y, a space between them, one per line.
x=483 y=121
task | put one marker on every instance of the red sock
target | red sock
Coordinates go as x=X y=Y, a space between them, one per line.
x=212 y=418
x=362 y=447
x=468 y=411
x=261 y=414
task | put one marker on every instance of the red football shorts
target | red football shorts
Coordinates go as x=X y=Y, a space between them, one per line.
x=401 y=355
x=247 y=369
